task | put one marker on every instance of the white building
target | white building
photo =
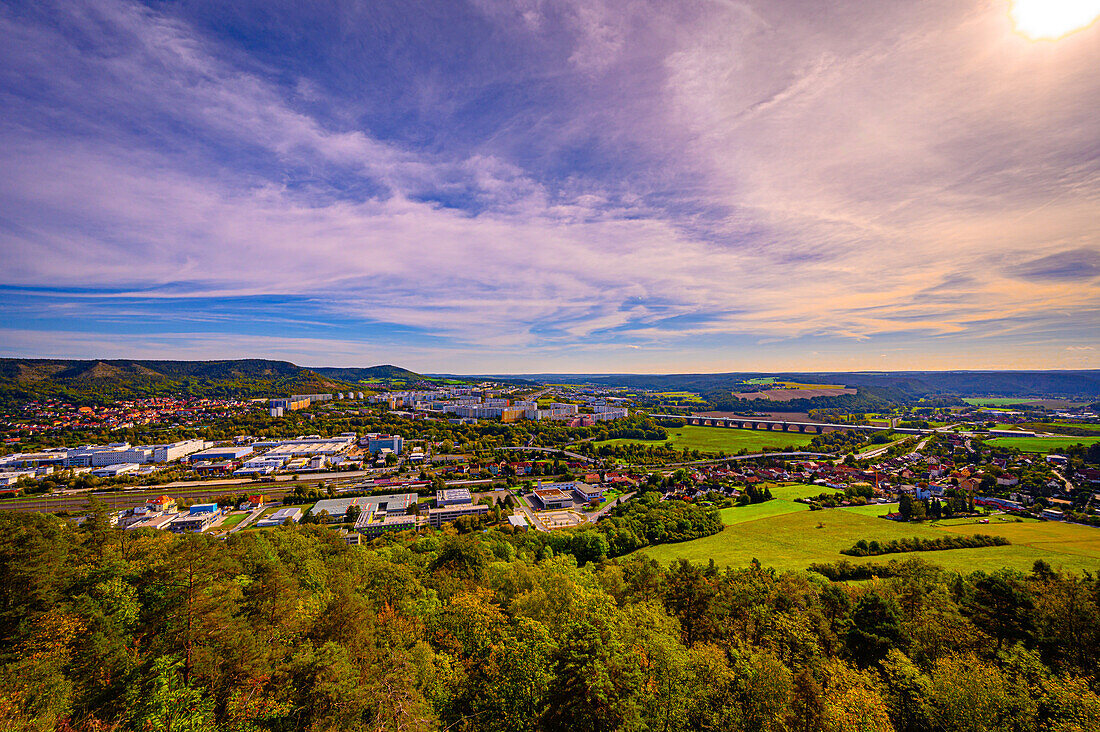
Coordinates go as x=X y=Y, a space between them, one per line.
x=175 y=450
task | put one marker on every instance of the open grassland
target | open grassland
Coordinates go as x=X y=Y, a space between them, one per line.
x=996 y=401
x=722 y=439
x=788 y=536
x=1043 y=444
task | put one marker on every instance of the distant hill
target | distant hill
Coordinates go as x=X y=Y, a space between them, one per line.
x=100 y=381
x=387 y=372
x=887 y=385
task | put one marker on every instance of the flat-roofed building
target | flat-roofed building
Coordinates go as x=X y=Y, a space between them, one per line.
x=111 y=471
x=191 y=523
x=220 y=454
x=158 y=521
x=452 y=497
x=394 y=503
x=439 y=516
x=518 y=521
x=393 y=443
x=293 y=513
x=376 y=523
x=553 y=498
x=176 y=450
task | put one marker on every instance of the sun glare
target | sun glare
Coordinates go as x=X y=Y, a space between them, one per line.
x=1050 y=19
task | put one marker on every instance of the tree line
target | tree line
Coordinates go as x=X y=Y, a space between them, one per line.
x=873 y=548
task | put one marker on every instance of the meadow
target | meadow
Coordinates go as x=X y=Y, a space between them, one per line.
x=722 y=439
x=788 y=536
x=996 y=401
x=1042 y=444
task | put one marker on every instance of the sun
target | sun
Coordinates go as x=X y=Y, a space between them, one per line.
x=1051 y=19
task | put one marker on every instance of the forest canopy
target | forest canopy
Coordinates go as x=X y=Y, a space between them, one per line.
x=291 y=629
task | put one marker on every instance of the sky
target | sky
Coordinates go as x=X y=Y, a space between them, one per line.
x=511 y=186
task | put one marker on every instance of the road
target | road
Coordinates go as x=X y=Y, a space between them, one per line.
x=532 y=515
x=1065 y=481
x=876 y=451
x=248 y=519
x=595 y=515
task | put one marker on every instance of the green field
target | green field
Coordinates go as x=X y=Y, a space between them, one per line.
x=788 y=536
x=722 y=439
x=997 y=401
x=233 y=519
x=1042 y=444
x=1091 y=427
x=683 y=396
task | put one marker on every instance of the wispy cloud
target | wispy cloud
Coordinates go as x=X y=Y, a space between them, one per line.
x=601 y=180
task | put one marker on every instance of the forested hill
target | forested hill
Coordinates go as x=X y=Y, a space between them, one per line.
x=888 y=385
x=99 y=381
x=387 y=372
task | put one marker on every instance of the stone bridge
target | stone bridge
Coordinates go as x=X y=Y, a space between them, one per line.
x=759 y=423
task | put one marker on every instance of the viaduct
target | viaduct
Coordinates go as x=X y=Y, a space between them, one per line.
x=758 y=423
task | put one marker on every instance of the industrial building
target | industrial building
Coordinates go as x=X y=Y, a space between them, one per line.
x=292 y=513
x=337 y=508
x=218 y=454
x=115 y=470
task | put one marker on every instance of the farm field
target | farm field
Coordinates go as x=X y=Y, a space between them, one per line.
x=1043 y=444
x=996 y=401
x=788 y=536
x=722 y=439
x=796 y=391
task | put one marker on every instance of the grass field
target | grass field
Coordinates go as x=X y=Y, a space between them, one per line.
x=722 y=439
x=788 y=536
x=996 y=401
x=1091 y=427
x=1042 y=444
x=233 y=519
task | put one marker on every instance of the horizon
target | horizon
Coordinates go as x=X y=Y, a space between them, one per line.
x=501 y=374
x=583 y=187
